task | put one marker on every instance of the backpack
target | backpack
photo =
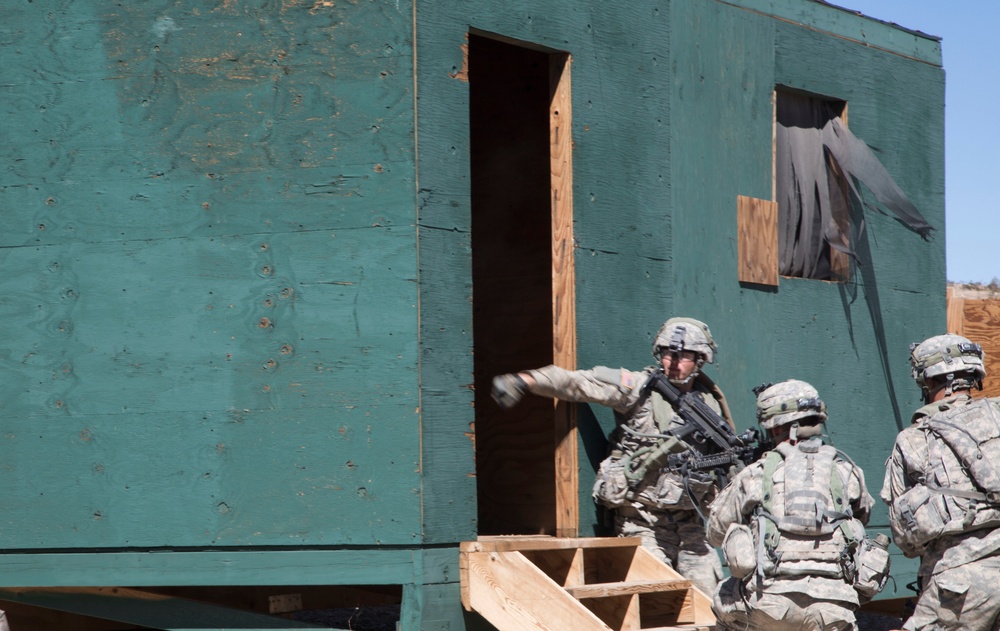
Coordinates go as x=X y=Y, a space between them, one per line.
x=805 y=526
x=811 y=531
x=972 y=432
x=971 y=500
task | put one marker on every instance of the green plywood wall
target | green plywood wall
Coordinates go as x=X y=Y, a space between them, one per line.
x=672 y=120
x=210 y=275
x=850 y=340
x=238 y=249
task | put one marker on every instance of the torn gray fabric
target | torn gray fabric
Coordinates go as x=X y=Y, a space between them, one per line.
x=858 y=160
x=819 y=165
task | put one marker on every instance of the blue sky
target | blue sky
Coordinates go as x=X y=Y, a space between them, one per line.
x=967 y=29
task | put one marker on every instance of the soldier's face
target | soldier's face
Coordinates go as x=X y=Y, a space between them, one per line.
x=678 y=364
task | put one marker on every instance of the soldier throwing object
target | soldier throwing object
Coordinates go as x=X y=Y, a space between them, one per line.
x=660 y=506
x=942 y=485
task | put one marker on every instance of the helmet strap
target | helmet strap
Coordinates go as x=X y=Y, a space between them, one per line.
x=950 y=384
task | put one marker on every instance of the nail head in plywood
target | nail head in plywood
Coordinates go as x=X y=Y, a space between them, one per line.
x=757 y=240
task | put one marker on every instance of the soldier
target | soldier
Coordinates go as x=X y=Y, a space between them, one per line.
x=658 y=505
x=942 y=485
x=791 y=526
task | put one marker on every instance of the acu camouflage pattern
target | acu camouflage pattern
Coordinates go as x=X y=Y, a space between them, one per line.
x=960 y=599
x=945 y=354
x=658 y=508
x=685 y=334
x=935 y=513
x=738 y=609
x=788 y=401
x=819 y=600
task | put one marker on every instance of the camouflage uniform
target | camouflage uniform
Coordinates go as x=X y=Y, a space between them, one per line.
x=955 y=534
x=661 y=508
x=958 y=570
x=812 y=596
x=658 y=508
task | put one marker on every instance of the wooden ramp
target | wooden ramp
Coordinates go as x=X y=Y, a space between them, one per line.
x=594 y=584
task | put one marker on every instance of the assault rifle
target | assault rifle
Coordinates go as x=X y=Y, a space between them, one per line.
x=720 y=448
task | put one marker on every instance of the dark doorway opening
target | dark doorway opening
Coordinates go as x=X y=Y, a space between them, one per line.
x=522 y=268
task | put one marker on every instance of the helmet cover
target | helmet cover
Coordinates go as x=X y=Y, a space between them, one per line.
x=786 y=402
x=946 y=355
x=685 y=334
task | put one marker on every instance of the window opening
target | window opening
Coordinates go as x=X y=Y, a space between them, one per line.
x=819 y=169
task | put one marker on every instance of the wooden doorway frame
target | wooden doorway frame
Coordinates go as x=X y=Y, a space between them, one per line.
x=523 y=281
x=563 y=291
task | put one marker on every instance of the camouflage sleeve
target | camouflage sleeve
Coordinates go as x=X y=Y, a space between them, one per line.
x=902 y=470
x=861 y=500
x=616 y=388
x=903 y=464
x=734 y=504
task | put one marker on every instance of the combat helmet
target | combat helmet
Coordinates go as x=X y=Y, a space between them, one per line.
x=685 y=334
x=787 y=403
x=952 y=359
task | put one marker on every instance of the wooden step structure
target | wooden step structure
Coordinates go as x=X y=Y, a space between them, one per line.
x=538 y=583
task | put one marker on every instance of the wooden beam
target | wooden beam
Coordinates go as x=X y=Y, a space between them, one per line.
x=563 y=291
x=956 y=313
x=504 y=544
x=132 y=606
x=602 y=590
x=514 y=595
x=243 y=567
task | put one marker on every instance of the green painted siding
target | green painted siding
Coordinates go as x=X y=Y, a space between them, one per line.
x=237 y=253
x=210 y=275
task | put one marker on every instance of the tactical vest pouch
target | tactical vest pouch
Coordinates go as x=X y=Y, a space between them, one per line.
x=610 y=486
x=740 y=551
x=872 y=561
x=920 y=516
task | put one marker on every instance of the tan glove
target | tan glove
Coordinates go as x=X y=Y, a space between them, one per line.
x=508 y=390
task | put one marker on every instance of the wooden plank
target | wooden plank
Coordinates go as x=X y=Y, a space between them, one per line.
x=757 y=240
x=981 y=324
x=514 y=595
x=567 y=498
x=851 y=26
x=621 y=613
x=602 y=590
x=132 y=606
x=697 y=606
x=505 y=544
x=272 y=567
x=956 y=312
x=565 y=567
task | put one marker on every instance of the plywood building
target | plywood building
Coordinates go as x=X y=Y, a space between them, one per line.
x=263 y=258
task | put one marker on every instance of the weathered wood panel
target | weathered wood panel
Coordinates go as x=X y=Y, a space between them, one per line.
x=757 y=240
x=976 y=315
